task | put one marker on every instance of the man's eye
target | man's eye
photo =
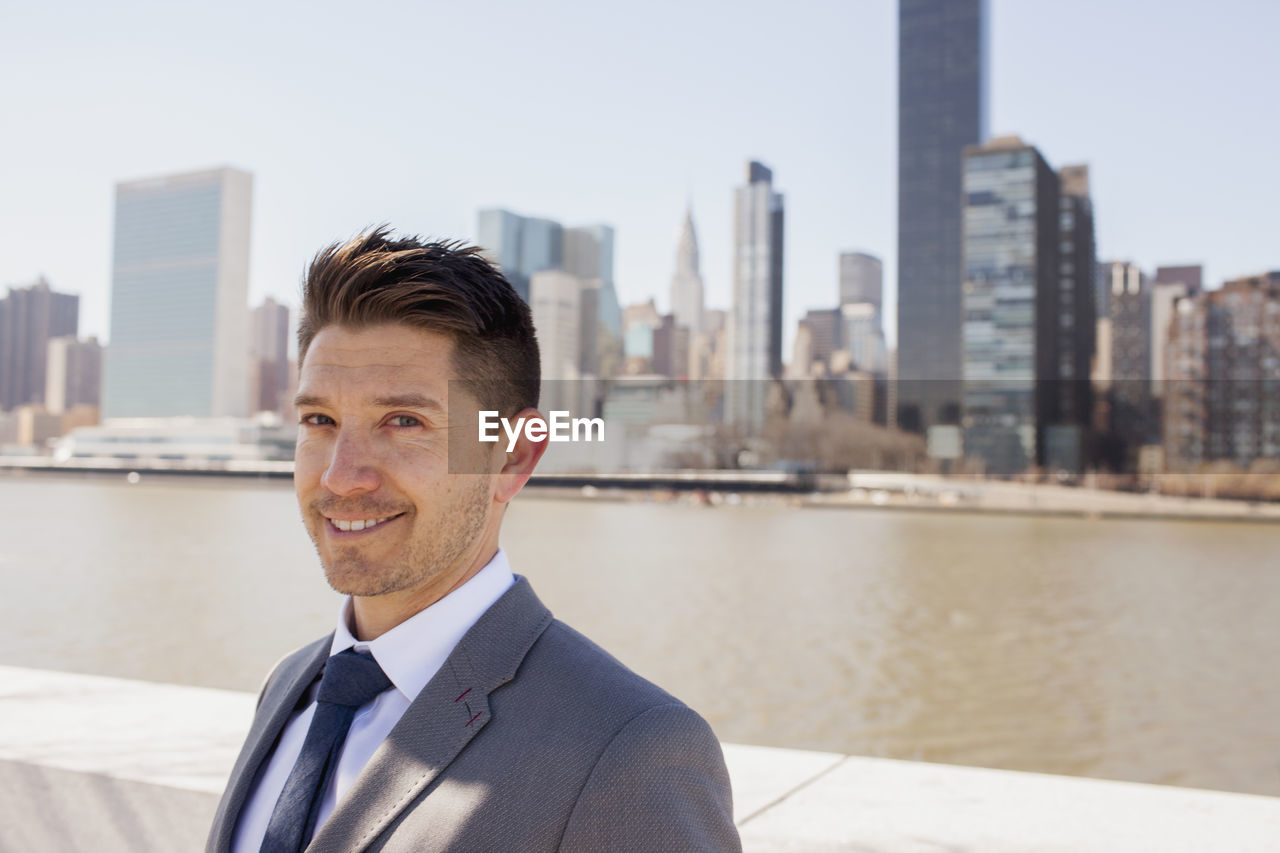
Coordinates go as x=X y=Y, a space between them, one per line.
x=317 y=420
x=404 y=421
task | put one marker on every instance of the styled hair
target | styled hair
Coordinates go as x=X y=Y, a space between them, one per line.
x=446 y=287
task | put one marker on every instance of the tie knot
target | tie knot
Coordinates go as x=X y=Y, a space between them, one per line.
x=351 y=679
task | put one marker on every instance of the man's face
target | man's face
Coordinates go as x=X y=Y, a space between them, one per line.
x=372 y=463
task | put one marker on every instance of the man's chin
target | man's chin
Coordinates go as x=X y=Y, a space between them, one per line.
x=348 y=578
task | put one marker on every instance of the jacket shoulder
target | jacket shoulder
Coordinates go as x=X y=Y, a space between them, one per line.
x=655 y=777
x=572 y=662
x=660 y=784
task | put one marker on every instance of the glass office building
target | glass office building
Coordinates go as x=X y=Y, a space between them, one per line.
x=179 y=297
x=755 y=326
x=521 y=245
x=1010 y=266
x=942 y=102
x=588 y=254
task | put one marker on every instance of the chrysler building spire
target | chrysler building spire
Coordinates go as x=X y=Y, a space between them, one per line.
x=686 y=283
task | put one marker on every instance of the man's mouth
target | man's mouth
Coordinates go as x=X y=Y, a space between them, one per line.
x=359 y=524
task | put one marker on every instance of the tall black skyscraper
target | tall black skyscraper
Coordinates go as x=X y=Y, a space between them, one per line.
x=1067 y=402
x=941 y=109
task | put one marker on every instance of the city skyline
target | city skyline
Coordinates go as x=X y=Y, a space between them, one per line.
x=1150 y=130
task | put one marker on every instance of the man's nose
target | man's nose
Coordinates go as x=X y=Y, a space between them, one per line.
x=353 y=466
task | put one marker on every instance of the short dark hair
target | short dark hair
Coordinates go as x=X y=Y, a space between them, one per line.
x=445 y=287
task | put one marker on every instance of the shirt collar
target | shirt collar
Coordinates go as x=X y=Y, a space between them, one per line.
x=413 y=652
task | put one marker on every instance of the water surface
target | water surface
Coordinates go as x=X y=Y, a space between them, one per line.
x=1140 y=650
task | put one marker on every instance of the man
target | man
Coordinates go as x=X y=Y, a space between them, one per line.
x=448 y=710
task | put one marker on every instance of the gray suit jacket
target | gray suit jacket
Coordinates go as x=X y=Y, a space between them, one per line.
x=530 y=738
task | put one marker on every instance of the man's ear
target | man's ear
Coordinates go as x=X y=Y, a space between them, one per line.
x=519 y=462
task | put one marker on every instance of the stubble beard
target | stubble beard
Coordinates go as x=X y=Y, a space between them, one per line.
x=425 y=556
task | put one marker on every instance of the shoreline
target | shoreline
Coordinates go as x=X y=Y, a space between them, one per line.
x=860 y=490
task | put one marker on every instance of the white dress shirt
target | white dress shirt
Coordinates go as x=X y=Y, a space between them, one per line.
x=410 y=654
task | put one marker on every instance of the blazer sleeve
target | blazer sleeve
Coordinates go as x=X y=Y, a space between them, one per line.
x=659 y=785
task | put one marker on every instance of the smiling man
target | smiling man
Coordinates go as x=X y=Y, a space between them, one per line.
x=448 y=710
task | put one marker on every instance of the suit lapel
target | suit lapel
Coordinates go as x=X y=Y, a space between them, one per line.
x=441 y=722
x=279 y=699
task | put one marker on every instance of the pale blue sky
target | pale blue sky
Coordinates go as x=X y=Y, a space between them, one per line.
x=420 y=114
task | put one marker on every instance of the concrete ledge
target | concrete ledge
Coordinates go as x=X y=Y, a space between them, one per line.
x=50 y=809
x=866 y=804
x=168 y=735
x=105 y=764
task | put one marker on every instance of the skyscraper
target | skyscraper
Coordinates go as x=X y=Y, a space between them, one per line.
x=29 y=318
x=861 y=301
x=556 y=309
x=755 y=327
x=521 y=245
x=1010 y=302
x=269 y=356
x=686 y=283
x=942 y=107
x=861 y=279
x=179 y=296
x=556 y=303
x=1067 y=398
x=588 y=254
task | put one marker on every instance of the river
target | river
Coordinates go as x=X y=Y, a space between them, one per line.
x=1142 y=650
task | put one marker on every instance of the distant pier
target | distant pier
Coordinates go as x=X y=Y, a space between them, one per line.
x=779 y=481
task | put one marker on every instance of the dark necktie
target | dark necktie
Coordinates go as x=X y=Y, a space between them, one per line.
x=350 y=680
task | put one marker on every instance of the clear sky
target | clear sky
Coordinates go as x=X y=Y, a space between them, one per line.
x=419 y=114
